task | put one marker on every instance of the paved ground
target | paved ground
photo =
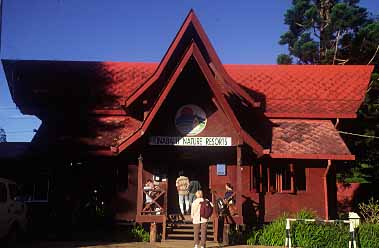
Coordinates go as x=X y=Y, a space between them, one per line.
x=166 y=244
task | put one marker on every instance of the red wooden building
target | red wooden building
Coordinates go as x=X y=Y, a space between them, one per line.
x=269 y=130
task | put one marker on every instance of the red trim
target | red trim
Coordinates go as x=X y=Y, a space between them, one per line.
x=309 y=115
x=193 y=51
x=109 y=112
x=101 y=152
x=163 y=63
x=258 y=149
x=191 y=18
x=313 y=156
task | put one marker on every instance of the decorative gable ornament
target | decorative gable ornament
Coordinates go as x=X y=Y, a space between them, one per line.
x=190 y=120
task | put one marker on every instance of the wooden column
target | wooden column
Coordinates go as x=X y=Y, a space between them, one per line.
x=239 y=180
x=140 y=186
x=225 y=234
x=153 y=232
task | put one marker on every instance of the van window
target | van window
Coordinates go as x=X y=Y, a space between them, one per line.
x=3 y=192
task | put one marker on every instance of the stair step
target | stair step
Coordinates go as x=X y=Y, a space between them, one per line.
x=185 y=225
x=186 y=231
x=185 y=236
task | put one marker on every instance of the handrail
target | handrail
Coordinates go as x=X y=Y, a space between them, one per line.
x=159 y=209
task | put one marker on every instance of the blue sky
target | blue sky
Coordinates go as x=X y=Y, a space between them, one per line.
x=242 y=31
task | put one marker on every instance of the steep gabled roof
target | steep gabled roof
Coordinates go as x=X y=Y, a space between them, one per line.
x=191 y=30
x=220 y=94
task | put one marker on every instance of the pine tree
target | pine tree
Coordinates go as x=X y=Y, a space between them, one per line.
x=330 y=32
x=340 y=32
x=3 y=136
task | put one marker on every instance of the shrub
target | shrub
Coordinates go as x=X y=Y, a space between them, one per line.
x=272 y=234
x=310 y=235
x=370 y=211
x=368 y=235
x=140 y=234
x=304 y=234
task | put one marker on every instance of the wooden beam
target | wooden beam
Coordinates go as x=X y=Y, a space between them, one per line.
x=139 y=187
x=153 y=232
x=292 y=176
x=310 y=115
x=121 y=112
x=239 y=180
x=314 y=156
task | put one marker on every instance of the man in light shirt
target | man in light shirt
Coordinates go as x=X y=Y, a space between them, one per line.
x=182 y=183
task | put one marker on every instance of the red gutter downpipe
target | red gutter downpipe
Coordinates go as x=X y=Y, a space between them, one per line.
x=326 y=189
x=326 y=181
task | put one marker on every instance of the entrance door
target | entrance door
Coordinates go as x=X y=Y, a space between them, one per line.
x=194 y=170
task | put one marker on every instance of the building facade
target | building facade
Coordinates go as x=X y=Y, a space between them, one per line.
x=269 y=130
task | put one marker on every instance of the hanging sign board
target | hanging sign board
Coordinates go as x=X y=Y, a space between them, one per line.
x=190 y=141
x=221 y=169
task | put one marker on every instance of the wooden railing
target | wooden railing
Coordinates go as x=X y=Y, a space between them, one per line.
x=156 y=209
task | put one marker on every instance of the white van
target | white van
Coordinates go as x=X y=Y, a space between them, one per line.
x=13 y=218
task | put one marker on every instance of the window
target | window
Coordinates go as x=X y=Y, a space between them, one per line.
x=280 y=178
x=288 y=178
x=3 y=192
x=285 y=177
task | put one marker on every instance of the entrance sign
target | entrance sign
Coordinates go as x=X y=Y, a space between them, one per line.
x=190 y=120
x=189 y=141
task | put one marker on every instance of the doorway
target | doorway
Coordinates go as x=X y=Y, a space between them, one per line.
x=194 y=170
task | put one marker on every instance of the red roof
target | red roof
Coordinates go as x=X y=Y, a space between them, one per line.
x=307 y=139
x=292 y=91
x=318 y=91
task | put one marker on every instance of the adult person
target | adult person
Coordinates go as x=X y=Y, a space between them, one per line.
x=199 y=223
x=229 y=199
x=194 y=186
x=182 y=183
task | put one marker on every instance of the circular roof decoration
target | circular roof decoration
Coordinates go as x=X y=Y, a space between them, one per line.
x=190 y=120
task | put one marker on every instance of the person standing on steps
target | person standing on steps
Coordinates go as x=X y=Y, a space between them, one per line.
x=194 y=186
x=182 y=184
x=199 y=223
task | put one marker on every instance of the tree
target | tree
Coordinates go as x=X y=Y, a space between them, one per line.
x=284 y=59
x=3 y=136
x=330 y=32
x=340 y=32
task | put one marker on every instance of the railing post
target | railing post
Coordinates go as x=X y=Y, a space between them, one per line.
x=353 y=223
x=288 y=242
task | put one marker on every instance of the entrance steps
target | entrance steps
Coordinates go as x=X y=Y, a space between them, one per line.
x=182 y=229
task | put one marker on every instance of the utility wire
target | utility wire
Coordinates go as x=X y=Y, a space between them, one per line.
x=360 y=135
